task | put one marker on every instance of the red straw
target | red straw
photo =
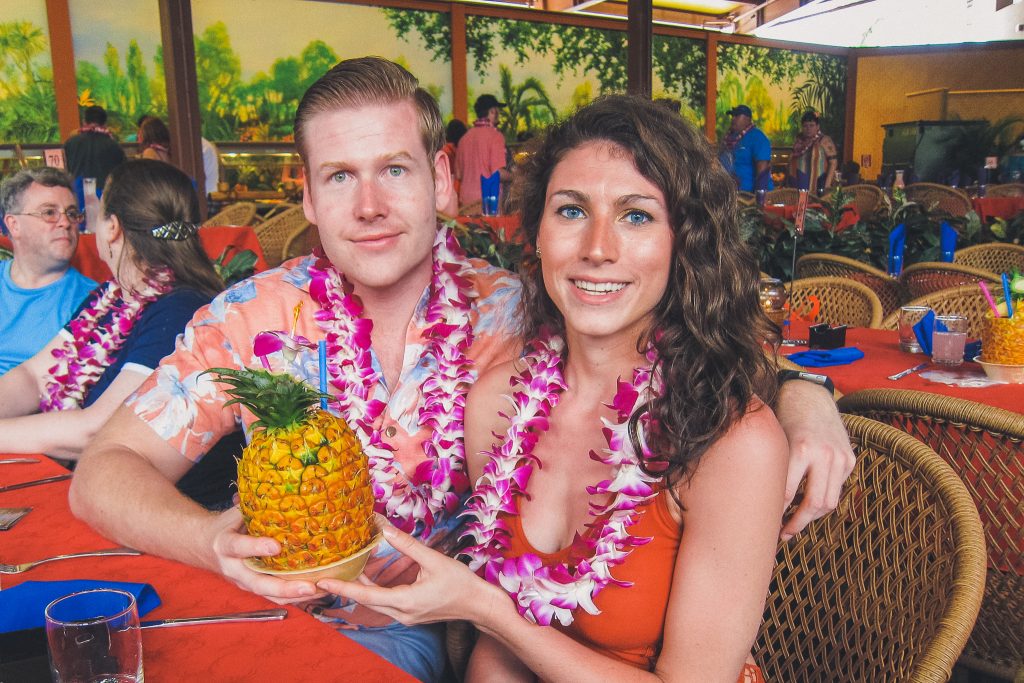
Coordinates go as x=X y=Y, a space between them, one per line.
x=988 y=297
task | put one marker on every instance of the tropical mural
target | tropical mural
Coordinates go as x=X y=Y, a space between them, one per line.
x=28 y=106
x=779 y=86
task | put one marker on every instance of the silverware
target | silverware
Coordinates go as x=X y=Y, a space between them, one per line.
x=36 y=482
x=25 y=566
x=793 y=342
x=909 y=371
x=11 y=461
x=263 y=615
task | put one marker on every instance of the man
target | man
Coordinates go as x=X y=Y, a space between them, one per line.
x=747 y=153
x=39 y=291
x=481 y=150
x=371 y=141
x=93 y=152
x=815 y=159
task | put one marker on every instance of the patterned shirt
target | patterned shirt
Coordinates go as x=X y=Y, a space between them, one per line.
x=186 y=408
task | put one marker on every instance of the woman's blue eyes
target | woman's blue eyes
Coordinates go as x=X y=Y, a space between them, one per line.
x=633 y=216
x=637 y=217
x=571 y=212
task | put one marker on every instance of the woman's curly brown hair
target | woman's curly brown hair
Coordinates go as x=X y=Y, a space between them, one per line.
x=708 y=328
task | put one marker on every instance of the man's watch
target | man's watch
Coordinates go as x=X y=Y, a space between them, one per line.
x=821 y=380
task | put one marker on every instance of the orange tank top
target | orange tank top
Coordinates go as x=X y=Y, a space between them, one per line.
x=632 y=620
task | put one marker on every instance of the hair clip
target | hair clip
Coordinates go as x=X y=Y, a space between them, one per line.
x=175 y=230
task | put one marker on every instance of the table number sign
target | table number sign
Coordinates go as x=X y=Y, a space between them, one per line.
x=54 y=158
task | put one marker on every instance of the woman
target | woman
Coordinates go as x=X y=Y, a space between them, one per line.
x=154 y=139
x=812 y=166
x=147 y=235
x=645 y=349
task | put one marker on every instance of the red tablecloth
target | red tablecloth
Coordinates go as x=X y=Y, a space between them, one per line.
x=215 y=239
x=788 y=211
x=505 y=228
x=997 y=207
x=883 y=357
x=297 y=648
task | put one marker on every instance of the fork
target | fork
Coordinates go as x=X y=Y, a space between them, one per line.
x=25 y=566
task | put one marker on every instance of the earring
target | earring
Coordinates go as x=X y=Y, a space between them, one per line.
x=538 y=253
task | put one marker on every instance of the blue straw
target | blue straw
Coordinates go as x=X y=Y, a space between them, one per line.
x=321 y=348
x=1009 y=299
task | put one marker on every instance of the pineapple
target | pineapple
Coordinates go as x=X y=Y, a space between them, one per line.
x=304 y=479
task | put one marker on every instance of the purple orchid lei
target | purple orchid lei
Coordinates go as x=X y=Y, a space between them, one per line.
x=82 y=359
x=435 y=487
x=543 y=593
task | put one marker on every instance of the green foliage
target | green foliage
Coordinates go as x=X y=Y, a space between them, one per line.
x=479 y=241
x=434 y=29
x=28 y=105
x=6 y=254
x=127 y=94
x=680 y=64
x=969 y=145
x=527 y=105
x=240 y=266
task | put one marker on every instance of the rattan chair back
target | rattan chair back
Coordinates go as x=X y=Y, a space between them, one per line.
x=966 y=300
x=867 y=199
x=239 y=213
x=995 y=257
x=782 y=195
x=887 y=587
x=931 y=276
x=942 y=197
x=889 y=290
x=843 y=301
x=985 y=446
x=274 y=234
x=1005 y=190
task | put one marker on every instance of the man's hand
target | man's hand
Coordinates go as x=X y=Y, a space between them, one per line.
x=820 y=456
x=231 y=546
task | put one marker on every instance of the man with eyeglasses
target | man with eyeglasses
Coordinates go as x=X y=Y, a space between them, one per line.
x=39 y=291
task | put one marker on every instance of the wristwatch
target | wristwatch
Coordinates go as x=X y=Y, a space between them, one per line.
x=820 y=380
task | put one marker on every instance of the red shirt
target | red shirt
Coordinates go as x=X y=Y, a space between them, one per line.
x=481 y=152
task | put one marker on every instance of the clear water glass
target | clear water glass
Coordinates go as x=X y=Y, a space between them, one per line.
x=94 y=637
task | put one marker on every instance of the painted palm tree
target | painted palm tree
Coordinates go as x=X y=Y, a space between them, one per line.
x=527 y=105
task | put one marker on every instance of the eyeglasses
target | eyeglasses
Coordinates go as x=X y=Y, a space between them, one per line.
x=53 y=214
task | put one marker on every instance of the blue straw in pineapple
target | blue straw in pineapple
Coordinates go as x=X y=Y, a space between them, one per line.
x=1006 y=293
x=321 y=348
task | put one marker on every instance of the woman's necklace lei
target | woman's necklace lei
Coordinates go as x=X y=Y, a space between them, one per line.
x=542 y=593
x=82 y=359
x=436 y=486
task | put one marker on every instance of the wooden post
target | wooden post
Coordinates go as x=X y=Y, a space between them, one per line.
x=711 y=88
x=182 y=91
x=639 y=38
x=458 y=28
x=62 y=55
x=851 y=105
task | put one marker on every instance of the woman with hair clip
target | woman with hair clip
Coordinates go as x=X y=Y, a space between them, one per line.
x=55 y=401
x=626 y=511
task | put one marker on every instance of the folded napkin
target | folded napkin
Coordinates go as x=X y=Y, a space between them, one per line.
x=897 y=242
x=947 y=242
x=823 y=358
x=22 y=607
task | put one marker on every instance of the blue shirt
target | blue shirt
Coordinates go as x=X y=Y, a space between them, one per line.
x=30 y=318
x=752 y=147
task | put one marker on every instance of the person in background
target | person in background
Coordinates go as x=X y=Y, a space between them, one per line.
x=481 y=150
x=154 y=139
x=39 y=290
x=453 y=133
x=147 y=236
x=851 y=173
x=746 y=152
x=211 y=165
x=92 y=152
x=812 y=166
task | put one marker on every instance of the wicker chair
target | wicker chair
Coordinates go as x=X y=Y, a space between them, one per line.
x=782 y=195
x=843 y=302
x=966 y=300
x=275 y=234
x=889 y=290
x=995 y=257
x=867 y=199
x=239 y=213
x=931 y=276
x=985 y=445
x=933 y=196
x=887 y=587
x=1005 y=190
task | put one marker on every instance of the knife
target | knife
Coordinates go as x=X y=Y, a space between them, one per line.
x=23 y=485
x=263 y=615
x=11 y=461
x=909 y=371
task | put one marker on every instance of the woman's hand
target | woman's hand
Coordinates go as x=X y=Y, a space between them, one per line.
x=444 y=590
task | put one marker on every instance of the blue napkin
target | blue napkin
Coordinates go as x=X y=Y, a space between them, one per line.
x=897 y=241
x=823 y=358
x=947 y=242
x=923 y=331
x=22 y=607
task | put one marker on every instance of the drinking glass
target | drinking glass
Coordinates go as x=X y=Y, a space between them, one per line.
x=910 y=316
x=490 y=205
x=94 y=637
x=948 y=345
